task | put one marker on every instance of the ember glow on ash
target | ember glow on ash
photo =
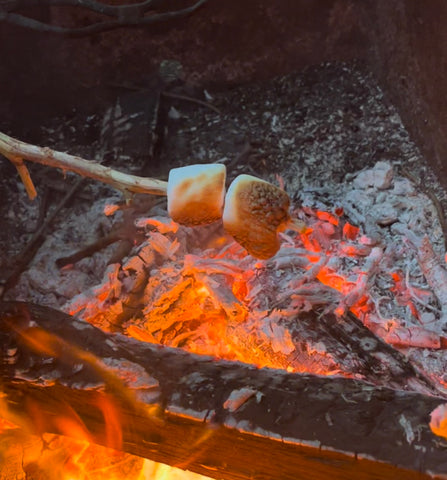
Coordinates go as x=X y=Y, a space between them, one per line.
x=197 y=289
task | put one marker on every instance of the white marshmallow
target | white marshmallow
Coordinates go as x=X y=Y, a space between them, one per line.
x=196 y=193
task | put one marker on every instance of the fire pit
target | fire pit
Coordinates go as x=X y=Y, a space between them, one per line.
x=324 y=360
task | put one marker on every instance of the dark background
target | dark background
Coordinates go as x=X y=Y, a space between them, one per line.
x=224 y=43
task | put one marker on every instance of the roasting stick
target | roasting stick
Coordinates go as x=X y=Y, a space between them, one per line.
x=195 y=193
x=255 y=210
x=17 y=151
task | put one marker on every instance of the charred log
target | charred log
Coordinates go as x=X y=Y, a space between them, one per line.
x=223 y=419
x=349 y=348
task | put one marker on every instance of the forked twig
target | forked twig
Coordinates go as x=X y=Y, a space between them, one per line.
x=17 y=151
x=121 y=15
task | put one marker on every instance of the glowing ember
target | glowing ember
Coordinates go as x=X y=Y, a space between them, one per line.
x=199 y=290
x=438 y=420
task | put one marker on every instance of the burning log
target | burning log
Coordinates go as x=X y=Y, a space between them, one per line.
x=223 y=419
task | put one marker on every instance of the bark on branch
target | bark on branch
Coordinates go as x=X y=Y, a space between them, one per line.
x=121 y=15
x=222 y=419
x=17 y=151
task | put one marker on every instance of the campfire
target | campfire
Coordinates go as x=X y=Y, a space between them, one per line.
x=337 y=295
x=332 y=301
x=196 y=288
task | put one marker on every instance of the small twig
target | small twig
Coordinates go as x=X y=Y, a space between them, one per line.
x=125 y=16
x=43 y=207
x=36 y=241
x=98 y=7
x=89 y=250
x=365 y=277
x=414 y=295
x=15 y=149
x=435 y=200
x=434 y=272
x=126 y=233
x=23 y=174
x=25 y=177
x=186 y=98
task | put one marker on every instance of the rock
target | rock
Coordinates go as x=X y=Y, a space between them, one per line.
x=379 y=177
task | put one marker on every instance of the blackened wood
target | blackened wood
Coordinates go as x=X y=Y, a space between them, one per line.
x=130 y=125
x=324 y=342
x=293 y=426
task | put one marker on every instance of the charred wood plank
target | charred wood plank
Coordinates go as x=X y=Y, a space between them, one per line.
x=324 y=342
x=222 y=419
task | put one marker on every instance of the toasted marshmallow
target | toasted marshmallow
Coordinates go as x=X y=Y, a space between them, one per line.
x=255 y=211
x=196 y=193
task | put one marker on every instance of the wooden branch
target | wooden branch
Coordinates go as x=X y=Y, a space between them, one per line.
x=94 y=6
x=124 y=16
x=12 y=148
x=29 y=251
x=222 y=419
